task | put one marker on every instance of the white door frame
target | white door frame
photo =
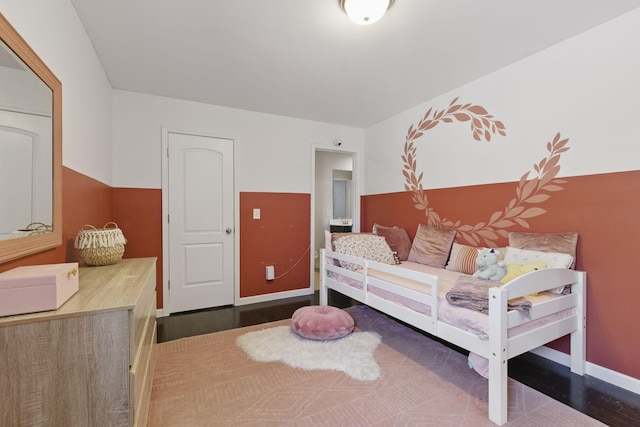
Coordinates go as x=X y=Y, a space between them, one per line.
x=356 y=196
x=165 y=212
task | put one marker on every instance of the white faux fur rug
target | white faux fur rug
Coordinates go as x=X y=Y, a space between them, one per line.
x=352 y=354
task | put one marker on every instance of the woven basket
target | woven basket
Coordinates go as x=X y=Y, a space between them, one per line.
x=102 y=246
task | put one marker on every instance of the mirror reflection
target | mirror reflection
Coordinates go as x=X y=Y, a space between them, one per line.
x=26 y=150
x=36 y=191
x=342 y=194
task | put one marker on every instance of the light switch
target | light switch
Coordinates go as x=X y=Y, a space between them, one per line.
x=256 y=213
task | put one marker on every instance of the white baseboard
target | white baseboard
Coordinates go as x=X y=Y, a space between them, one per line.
x=553 y=355
x=274 y=296
x=612 y=377
x=260 y=298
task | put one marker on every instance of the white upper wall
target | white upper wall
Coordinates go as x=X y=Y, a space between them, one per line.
x=273 y=152
x=119 y=144
x=586 y=88
x=54 y=32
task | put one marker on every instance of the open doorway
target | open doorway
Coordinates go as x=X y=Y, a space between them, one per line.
x=334 y=200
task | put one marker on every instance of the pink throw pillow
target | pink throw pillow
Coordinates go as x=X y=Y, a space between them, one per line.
x=397 y=238
x=432 y=245
x=321 y=322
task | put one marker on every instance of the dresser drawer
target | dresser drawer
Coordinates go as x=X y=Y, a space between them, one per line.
x=89 y=362
x=141 y=373
x=143 y=310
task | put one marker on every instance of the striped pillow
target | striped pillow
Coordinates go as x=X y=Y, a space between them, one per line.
x=463 y=259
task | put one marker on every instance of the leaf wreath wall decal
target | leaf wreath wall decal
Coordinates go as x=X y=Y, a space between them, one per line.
x=529 y=191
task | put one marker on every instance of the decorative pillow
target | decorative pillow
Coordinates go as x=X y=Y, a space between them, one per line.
x=517 y=270
x=432 y=245
x=367 y=246
x=336 y=236
x=525 y=256
x=330 y=239
x=321 y=322
x=552 y=259
x=397 y=238
x=564 y=243
x=463 y=258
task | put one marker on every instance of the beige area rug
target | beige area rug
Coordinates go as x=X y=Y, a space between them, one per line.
x=208 y=380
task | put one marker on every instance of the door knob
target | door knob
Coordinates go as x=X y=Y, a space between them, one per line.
x=228 y=230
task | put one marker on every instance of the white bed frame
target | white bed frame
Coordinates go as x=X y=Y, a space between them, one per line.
x=498 y=349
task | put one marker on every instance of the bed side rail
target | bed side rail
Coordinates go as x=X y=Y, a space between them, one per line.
x=542 y=280
x=327 y=282
x=330 y=256
x=384 y=277
x=546 y=279
x=406 y=273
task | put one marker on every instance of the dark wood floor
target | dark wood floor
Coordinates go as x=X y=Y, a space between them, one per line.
x=611 y=405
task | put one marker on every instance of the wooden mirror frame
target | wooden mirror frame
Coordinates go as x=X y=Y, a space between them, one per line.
x=22 y=246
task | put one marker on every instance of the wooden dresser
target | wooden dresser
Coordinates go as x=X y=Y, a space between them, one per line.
x=89 y=363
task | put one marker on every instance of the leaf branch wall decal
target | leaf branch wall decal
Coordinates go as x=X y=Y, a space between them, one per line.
x=532 y=189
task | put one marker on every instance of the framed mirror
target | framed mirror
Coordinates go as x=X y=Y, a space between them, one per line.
x=30 y=150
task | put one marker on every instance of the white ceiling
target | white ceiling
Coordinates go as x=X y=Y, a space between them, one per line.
x=305 y=59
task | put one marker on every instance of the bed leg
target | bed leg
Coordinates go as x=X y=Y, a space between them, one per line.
x=498 y=396
x=324 y=300
x=498 y=357
x=579 y=336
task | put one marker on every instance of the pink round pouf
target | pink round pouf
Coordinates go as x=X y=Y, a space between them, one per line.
x=321 y=322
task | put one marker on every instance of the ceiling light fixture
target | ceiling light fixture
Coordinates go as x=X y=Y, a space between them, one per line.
x=365 y=12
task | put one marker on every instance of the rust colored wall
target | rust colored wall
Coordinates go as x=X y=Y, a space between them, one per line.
x=281 y=237
x=138 y=212
x=471 y=203
x=84 y=201
x=603 y=209
x=87 y=201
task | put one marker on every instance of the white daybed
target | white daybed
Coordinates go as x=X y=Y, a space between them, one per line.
x=399 y=291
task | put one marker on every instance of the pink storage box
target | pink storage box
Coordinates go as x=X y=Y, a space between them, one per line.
x=35 y=288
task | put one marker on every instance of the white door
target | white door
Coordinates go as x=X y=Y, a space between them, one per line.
x=201 y=230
